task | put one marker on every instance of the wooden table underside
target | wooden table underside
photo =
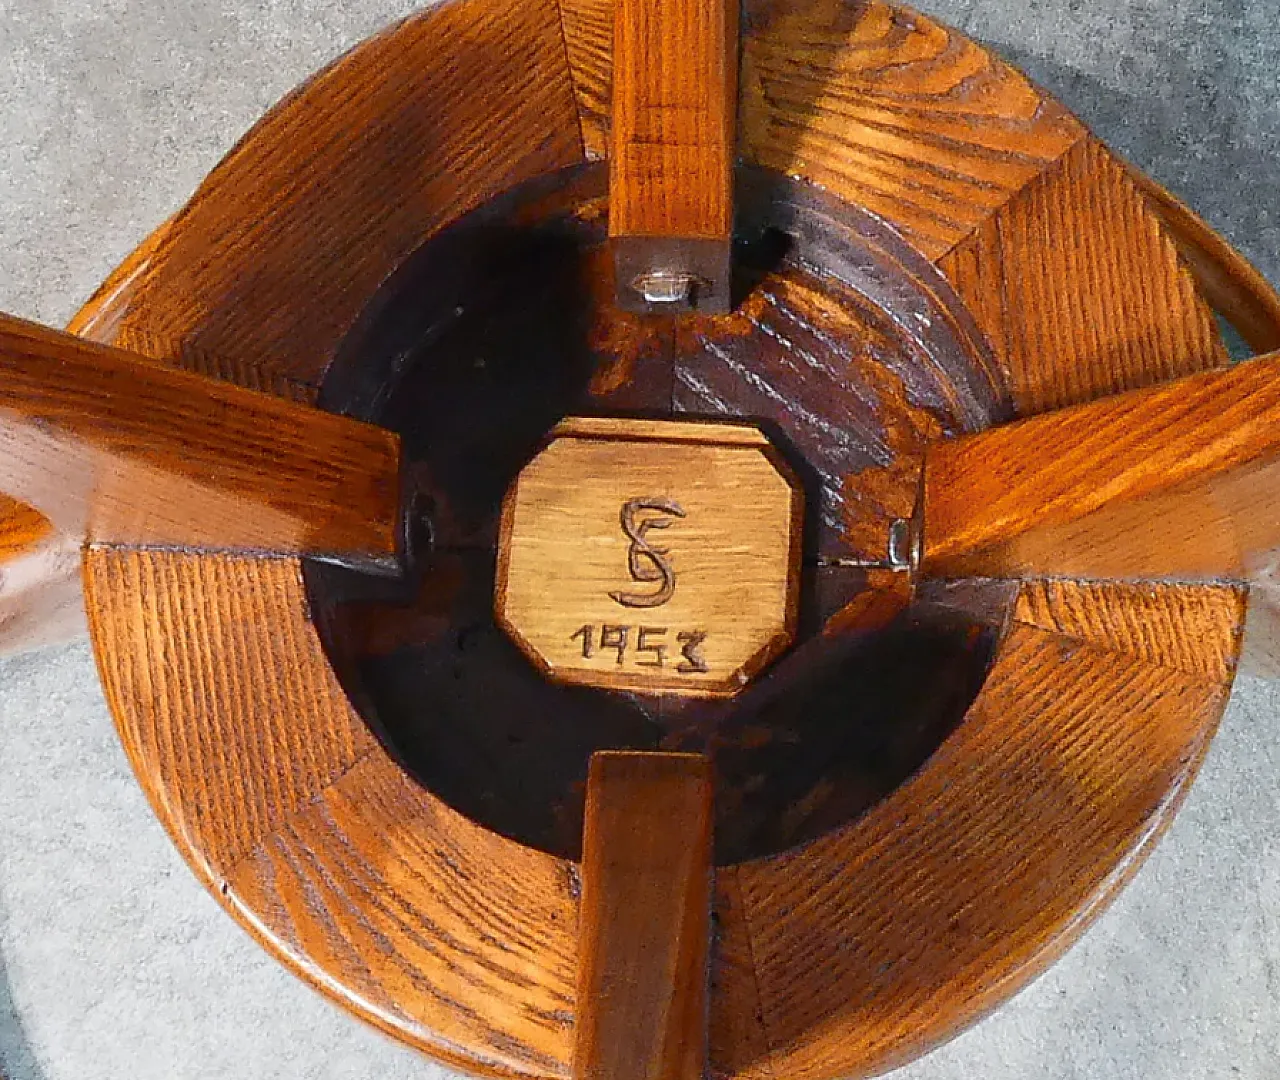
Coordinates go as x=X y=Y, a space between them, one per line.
x=844 y=957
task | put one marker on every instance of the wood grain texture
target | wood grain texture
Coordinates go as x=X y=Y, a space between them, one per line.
x=892 y=934
x=738 y=1042
x=1231 y=285
x=118 y=450
x=275 y=255
x=21 y=527
x=862 y=948
x=517 y=284
x=1174 y=481
x=852 y=348
x=652 y=556
x=320 y=844
x=878 y=105
x=264 y=726
x=385 y=899
x=276 y=793
x=645 y=918
x=675 y=99
x=1080 y=290
x=1147 y=620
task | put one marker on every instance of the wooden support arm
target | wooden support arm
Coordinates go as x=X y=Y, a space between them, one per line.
x=646 y=918
x=112 y=448
x=675 y=92
x=1176 y=481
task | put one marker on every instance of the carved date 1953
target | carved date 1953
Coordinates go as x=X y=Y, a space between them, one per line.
x=648 y=648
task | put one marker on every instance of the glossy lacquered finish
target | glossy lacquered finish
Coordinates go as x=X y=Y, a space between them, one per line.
x=867 y=915
x=114 y=449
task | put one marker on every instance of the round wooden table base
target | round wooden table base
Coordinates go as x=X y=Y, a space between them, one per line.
x=915 y=903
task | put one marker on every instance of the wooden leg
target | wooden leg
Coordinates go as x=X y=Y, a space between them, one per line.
x=645 y=924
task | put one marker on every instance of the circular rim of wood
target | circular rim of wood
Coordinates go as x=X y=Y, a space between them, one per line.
x=501 y=1000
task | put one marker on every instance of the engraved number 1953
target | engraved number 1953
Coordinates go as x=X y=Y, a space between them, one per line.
x=647 y=648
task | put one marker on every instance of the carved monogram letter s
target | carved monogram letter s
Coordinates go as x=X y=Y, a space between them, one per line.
x=645 y=562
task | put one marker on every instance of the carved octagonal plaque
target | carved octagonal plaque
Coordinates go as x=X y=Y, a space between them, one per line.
x=652 y=555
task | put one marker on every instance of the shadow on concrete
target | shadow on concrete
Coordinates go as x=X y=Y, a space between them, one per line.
x=17 y=1060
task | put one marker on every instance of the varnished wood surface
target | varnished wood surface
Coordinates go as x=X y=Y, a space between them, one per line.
x=1080 y=291
x=1144 y=620
x=272 y=260
x=859 y=950
x=21 y=527
x=1180 y=480
x=652 y=556
x=675 y=101
x=320 y=879
x=1087 y=786
x=645 y=922
x=116 y=450
x=311 y=836
x=880 y=106
x=1233 y=286
x=523 y=285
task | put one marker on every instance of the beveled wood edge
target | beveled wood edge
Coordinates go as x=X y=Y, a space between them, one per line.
x=586 y=117
x=701 y=432
x=97 y=317
x=1051 y=949
x=219 y=880
x=1233 y=287
x=333 y=989
x=1027 y=961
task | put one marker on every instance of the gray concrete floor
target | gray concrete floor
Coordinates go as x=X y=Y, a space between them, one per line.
x=114 y=963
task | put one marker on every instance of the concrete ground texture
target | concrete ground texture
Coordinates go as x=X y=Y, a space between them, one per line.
x=114 y=963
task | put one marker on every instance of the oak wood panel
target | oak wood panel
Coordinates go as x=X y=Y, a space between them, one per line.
x=588 y=38
x=1231 y=285
x=118 y=450
x=675 y=99
x=853 y=349
x=1179 y=480
x=645 y=921
x=738 y=1044
x=1080 y=290
x=277 y=252
x=877 y=104
x=652 y=556
x=1149 y=620
x=312 y=837
x=879 y=940
x=222 y=695
x=385 y=899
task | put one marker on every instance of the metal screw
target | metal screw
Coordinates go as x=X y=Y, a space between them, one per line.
x=664 y=286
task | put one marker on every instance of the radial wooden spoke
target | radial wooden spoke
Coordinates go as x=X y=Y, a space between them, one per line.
x=671 y=171
x=646 y=918
x=119 y=450
x=1177 y=481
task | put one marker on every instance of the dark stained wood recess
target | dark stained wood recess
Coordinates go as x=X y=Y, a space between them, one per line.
x=918 y=806
x=520 y=329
